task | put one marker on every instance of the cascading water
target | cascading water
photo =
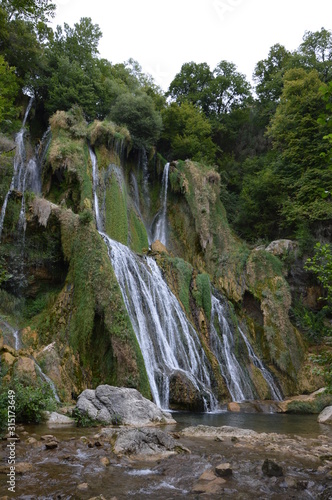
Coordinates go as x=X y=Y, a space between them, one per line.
x=231 y=370
x=18 y=179
x=168 y=342
x=275 y=391
x=95 y=178
x=14 y=333
x=159 y=225
x=47 y=380
x=236 y=378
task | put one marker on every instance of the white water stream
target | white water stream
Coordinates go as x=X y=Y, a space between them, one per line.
x=169 y=343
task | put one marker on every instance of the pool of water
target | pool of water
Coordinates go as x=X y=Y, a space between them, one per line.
x=301 y=425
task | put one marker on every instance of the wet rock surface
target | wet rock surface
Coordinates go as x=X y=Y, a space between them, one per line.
x=223 y=462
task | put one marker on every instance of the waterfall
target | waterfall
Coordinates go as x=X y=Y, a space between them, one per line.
x=23 y=178
x=14 y=333
x=275 y=391
x=170 y=345
x=235 y=376
x=160 y=221
x=168 y=342
x=95 y=178
x=231 y=370
x=47 y=380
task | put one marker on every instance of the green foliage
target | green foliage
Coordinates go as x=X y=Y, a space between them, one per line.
x=86 y=216
x=31 y=399
x=311 y=323
x=309 y=407
x=9 y=90
x=83 y=420
x=138 y=114
x=321 y=265
x=187 y=133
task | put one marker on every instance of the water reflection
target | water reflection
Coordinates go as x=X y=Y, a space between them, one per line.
x=301 y=425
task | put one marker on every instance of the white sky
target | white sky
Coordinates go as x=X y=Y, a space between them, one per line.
x=162 y=35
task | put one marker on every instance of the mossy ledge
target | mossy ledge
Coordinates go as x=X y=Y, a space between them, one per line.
x=93 y=319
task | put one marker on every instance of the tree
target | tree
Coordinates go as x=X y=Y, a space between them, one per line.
x=229 y=90
x=316 y=52
x=297 y=137
x=294 y=129
x=9 y=89
x=192 y=84
x=187 y=133
x=268 y=76
x=138 y=113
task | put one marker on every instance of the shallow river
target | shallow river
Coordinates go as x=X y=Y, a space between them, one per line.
x=75 y=470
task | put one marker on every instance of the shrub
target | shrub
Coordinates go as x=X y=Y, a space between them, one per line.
x=32 y=399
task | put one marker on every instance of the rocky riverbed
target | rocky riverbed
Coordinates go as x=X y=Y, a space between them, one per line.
x=166 y=463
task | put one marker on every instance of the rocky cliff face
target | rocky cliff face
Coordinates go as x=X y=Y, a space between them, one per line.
x=72 y=317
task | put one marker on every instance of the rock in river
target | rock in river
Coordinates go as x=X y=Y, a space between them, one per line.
x=114 y=405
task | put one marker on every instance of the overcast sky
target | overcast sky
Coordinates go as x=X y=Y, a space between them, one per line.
x=162 y=35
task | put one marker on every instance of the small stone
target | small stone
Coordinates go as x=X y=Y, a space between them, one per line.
x=83 y=487
x=104 y=461
x=31 y=440
x=48 y=437
x=290 y=482
x=51 y=445
x=271 y=469
x=209 y=487
x=208 y=475
x=224 y=470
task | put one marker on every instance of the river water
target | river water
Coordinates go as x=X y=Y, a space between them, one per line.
x=75 y=470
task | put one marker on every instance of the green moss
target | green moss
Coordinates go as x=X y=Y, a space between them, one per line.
x=183 y=277
x=202 y=294
x=138 y=235
x=116 y=224
x=315 y=406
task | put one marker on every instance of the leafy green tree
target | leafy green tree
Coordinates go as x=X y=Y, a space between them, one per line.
x=138 y=113
x=187 y=133
x=192 y=84
x=268 y=76
x=8 y=92
x=297 y=137
x=229 y=89
x=316 y=52
x=321 y=265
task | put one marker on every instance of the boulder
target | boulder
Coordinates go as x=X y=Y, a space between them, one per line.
x=281 y=247
x=119 y=405
x=146 y=442
x=54 y=418
x=325 y=416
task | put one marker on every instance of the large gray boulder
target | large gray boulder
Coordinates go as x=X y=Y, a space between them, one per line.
x=120 y=405
x=146 y=442
x=325 y=416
